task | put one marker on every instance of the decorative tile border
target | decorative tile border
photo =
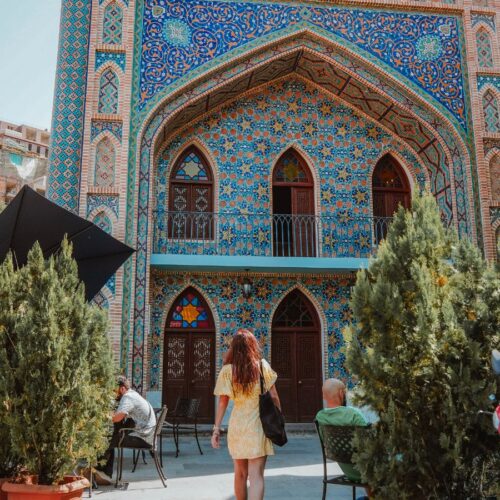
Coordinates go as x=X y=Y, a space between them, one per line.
x=103 y=57
x=488 y=19
x=100 y=200
x=492 y=80
x=98 y=126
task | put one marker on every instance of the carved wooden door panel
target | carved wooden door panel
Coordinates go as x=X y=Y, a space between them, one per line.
x=202 y=367
x=175 y=368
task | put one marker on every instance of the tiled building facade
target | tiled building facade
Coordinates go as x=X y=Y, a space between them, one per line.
x=252 y=151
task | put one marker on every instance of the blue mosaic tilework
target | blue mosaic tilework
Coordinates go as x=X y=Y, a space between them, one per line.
x=98 y=126
x=69 y=103
x=111 y=284
x=332 y=293
x=249 y=135
x=181 y=36
x=100 y=200
x=488 y=19
x=102 y=57
x=492 y=80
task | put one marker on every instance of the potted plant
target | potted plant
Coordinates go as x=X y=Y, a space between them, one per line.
x=60 y=377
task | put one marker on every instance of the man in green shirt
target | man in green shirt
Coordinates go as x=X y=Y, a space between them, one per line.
x=336 y=413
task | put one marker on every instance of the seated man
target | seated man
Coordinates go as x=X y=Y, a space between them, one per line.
x=133 y=411
x=336 y=413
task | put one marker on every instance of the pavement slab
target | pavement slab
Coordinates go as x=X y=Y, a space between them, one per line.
x=295 y=472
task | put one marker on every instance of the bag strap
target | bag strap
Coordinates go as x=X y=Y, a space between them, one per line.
x=261 y=378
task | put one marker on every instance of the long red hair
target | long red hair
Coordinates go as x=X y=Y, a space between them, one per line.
x=244 y=355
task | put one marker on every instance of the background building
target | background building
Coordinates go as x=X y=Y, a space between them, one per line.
x=24 y=153
x=252 y=153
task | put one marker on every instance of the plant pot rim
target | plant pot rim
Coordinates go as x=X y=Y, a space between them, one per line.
x=74 y=483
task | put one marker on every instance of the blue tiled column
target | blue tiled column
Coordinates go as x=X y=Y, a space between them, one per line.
x=69 y=104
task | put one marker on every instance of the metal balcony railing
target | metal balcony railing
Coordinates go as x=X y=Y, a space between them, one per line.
x=268 y=235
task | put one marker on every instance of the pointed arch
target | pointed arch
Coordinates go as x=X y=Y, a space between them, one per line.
x=484 y=49
x=191 y=197
x=390 y=186
x=108 y=92
x=112 y=24
x=189 y=352
x=490 y=112
x=296 y=356
x=295 y=232
x=105 y=162
x=104 y=222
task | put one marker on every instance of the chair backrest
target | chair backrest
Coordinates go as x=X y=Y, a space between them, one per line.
x=160 y=420
x=337 y=441
x=194 y=408
x=181 y=407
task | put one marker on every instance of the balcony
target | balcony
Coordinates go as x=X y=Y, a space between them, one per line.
x=279 y=242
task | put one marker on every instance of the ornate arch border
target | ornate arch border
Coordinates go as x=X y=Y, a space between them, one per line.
x=140 y=187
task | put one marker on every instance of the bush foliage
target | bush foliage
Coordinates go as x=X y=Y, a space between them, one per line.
x=426 y=314
x=56 y=368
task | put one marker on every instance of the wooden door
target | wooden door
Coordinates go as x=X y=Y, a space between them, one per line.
x=296 y=357
x=189 y=354
x=304 y=227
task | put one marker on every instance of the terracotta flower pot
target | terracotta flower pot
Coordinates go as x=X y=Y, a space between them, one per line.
x=3 y=496
x=71 y=488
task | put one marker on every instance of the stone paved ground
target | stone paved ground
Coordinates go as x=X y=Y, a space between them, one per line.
x=294 y=472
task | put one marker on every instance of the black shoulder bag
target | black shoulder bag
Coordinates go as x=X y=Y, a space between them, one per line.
x=271 y=417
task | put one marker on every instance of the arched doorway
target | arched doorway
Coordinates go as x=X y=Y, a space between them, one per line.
x=296 y=357
x=390 y=187
x=294 y=227
x=189 y=353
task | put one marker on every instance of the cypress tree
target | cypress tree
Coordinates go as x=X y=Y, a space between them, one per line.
x=422 y=333
x=61 y=369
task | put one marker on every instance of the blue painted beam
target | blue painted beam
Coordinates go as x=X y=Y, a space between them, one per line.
x=257 y=264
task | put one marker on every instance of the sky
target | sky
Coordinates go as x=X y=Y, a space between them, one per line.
x=29 y=31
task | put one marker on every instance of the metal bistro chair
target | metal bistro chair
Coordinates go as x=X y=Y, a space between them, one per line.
x=186 y=410
x=147 y=447
x=337 y=445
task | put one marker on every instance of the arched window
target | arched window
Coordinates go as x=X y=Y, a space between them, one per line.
x=108 y=92
x=189 y=353
x=484 y=52
x=104 y=163
x=490 y=110
x=495 y=177
x=390 y=188
x=112 y=24
x=191 y=197
x=294 y=223
x=103 y=221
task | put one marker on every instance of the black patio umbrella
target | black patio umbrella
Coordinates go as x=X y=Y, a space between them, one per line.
x=30 y=217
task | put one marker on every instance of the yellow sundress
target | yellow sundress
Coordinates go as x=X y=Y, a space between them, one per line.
x=245 y=437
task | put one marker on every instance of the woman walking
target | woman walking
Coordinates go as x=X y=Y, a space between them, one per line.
x=239 y=380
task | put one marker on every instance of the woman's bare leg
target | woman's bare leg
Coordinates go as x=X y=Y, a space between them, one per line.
x=256 y=476
x=240 y=478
